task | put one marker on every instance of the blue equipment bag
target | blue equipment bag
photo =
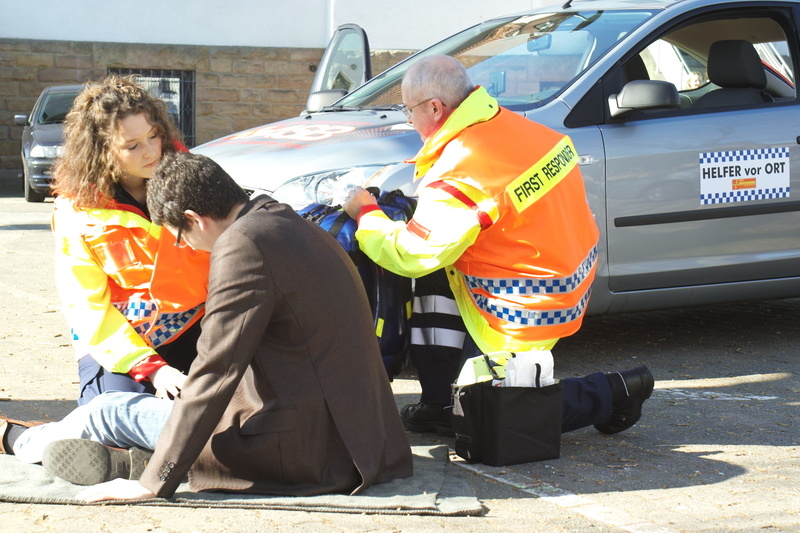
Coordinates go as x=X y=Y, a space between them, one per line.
x=390 y=295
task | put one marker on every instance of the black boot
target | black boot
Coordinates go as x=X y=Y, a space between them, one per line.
x=426 y=418
x=630 y=388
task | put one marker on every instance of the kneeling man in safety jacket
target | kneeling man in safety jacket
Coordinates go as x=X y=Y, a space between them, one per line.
x=502 y=213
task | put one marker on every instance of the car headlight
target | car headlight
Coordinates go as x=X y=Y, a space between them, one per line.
x=49 y=152
x=329 y=188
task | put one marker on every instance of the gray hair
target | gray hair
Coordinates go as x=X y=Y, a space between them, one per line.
x=438 y=76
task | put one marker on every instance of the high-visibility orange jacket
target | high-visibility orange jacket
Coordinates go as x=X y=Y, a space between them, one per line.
x=125 y=288
x=502 y=205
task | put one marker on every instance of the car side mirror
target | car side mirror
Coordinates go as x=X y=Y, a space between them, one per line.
x=21 y=120
x=639 y=95
x=321 y=99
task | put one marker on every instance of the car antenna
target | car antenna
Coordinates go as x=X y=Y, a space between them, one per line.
x=567 y=5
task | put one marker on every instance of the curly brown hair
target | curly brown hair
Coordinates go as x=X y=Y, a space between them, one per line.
x=89 y=167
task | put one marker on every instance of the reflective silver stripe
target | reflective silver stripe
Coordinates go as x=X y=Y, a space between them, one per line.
x=437 y=337
x=527 y=286
x=436 y=304
x=532 y=318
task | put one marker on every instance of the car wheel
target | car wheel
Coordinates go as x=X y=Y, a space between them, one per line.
x=31 y=195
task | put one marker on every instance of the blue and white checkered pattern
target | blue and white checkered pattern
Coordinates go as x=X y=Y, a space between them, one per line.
x=744 y=195
x=761 y=154
x=134 y=310
x=528 y=286
x=170 y=324
x=141 y=329
x=529 y=318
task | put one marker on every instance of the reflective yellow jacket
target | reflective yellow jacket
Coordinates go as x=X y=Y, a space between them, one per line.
x=125 y=288
x=502 y=205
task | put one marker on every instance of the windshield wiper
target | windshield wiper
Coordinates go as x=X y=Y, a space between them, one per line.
x=335 y=108
x=392 y=107
x=341 y=108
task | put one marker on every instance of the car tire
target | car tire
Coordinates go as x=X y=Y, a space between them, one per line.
x=31 y=195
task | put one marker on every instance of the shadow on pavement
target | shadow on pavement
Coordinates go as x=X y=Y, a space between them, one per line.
x=25 y=227
x=36 y=410
x=727 y=387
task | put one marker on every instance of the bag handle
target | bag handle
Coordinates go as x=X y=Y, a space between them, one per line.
x=339 y=223
x=490 y=365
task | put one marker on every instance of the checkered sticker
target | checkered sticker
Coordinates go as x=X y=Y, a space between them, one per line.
x=744 y=175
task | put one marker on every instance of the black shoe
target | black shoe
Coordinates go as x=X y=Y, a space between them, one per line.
x=638 y=384
x=425 y=418
x=85 y=462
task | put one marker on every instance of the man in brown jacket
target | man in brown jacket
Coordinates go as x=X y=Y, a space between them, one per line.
x=288 y=394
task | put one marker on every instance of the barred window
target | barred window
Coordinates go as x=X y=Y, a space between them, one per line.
x=176 y=88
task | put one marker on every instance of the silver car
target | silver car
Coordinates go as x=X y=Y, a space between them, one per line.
x=684 y=114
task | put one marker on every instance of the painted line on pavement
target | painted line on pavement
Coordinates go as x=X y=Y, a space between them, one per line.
x=728 y=381
x=681 y=394
x=564 y=498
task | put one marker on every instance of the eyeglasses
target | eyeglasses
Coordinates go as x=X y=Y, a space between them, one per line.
x=178 y=242
x=407 y=110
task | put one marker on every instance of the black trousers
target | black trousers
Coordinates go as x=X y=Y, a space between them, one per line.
x=94 y=379
x=440 y=345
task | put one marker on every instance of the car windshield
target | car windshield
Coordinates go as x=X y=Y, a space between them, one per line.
x=55 y=107
x=522 y=61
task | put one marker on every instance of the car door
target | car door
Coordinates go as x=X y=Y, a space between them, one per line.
x=701 y=196
x=345 y=65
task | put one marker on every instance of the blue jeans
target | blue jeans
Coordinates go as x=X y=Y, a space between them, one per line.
x=120 y=419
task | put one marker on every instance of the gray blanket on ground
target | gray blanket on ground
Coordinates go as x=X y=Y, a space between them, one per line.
x=436 y=488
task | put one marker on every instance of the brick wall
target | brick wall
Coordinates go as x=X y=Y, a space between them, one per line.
x=236 y=87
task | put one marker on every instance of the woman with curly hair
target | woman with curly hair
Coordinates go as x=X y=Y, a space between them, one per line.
x=132 y=295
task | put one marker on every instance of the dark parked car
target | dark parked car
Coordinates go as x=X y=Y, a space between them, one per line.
x=42 y=138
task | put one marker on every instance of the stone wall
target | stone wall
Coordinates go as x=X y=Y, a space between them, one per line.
x=236 y=87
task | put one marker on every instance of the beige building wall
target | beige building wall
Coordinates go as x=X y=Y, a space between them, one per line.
x=236 y=87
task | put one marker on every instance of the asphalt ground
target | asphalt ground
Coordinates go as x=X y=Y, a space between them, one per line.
x=716 y=450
